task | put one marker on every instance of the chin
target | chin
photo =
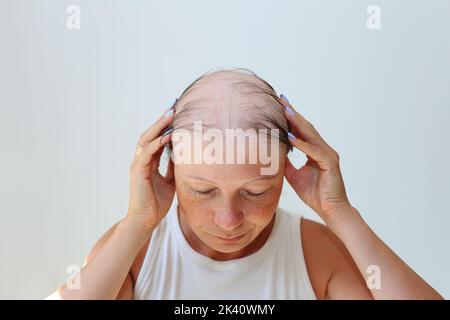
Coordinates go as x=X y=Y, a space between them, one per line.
x=228 y=248
x=220 y=246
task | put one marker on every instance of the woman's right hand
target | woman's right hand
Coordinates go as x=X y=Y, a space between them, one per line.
x=151 y=194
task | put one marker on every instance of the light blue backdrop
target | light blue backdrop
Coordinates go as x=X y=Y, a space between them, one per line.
x=73 y=103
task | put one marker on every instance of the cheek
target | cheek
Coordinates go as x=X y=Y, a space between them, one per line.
x=193 y=203
x=261 y=213
x=264 y=204
x=198 y=212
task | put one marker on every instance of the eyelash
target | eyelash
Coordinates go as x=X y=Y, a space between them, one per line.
x=207 y=192
x=202 y=192
x=255 y=195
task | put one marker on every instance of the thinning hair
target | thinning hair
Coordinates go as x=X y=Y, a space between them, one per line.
x=263 y=111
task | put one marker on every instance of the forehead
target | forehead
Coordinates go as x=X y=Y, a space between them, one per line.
x=217 y=173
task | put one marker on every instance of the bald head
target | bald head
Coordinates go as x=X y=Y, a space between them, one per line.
x=229 y=100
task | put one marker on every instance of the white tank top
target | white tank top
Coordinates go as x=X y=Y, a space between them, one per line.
x=173 y=270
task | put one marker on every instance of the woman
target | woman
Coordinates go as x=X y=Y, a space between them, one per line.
x=225 y=236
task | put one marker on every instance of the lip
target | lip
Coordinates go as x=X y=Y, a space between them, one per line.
x=231 y=240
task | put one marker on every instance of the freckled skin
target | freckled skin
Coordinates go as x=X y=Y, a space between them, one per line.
x=229 y=209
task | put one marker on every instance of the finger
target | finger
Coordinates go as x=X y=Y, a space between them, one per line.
x=302 y=128
x=151 y=133
x=289 y=169
x=144 y=160
x=156 y=158
x=311 y=162
x=316 y=153
x=169 y=177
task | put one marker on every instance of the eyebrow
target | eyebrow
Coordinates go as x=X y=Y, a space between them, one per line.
x=265 y=177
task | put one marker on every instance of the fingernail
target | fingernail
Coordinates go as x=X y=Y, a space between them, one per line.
x=168 y=113
x=173 y=104
x=290 y=111
x=282 y=96
x=291 y=136
x=168 y=130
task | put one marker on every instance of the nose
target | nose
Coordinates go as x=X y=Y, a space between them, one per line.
x=228 y=218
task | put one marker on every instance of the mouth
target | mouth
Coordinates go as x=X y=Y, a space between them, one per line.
x=231 y=239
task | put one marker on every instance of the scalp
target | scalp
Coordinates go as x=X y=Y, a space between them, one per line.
x=229 y=99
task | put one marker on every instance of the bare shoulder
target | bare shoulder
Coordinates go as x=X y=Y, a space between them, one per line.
x=319 y=236
x=323 y=252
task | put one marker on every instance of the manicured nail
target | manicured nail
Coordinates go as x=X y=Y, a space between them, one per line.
x=168 y=113
x=168 y=131
x=290 y=111
x=282 y=96
x=173 y=104
x=291 y=136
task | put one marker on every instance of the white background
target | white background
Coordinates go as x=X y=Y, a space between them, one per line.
x=73 y=104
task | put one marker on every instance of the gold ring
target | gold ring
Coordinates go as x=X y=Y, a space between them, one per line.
x=139 y=149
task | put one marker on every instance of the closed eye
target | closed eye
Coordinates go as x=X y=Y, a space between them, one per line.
x=202 y=192
x=251 y=194
x=210 y=191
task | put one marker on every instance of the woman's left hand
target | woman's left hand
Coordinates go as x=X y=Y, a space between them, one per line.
x=319 y=182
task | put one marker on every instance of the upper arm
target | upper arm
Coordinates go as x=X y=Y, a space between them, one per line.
x=99 y=244
x=127 y=288
x=346 y=281
x=333 y=273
